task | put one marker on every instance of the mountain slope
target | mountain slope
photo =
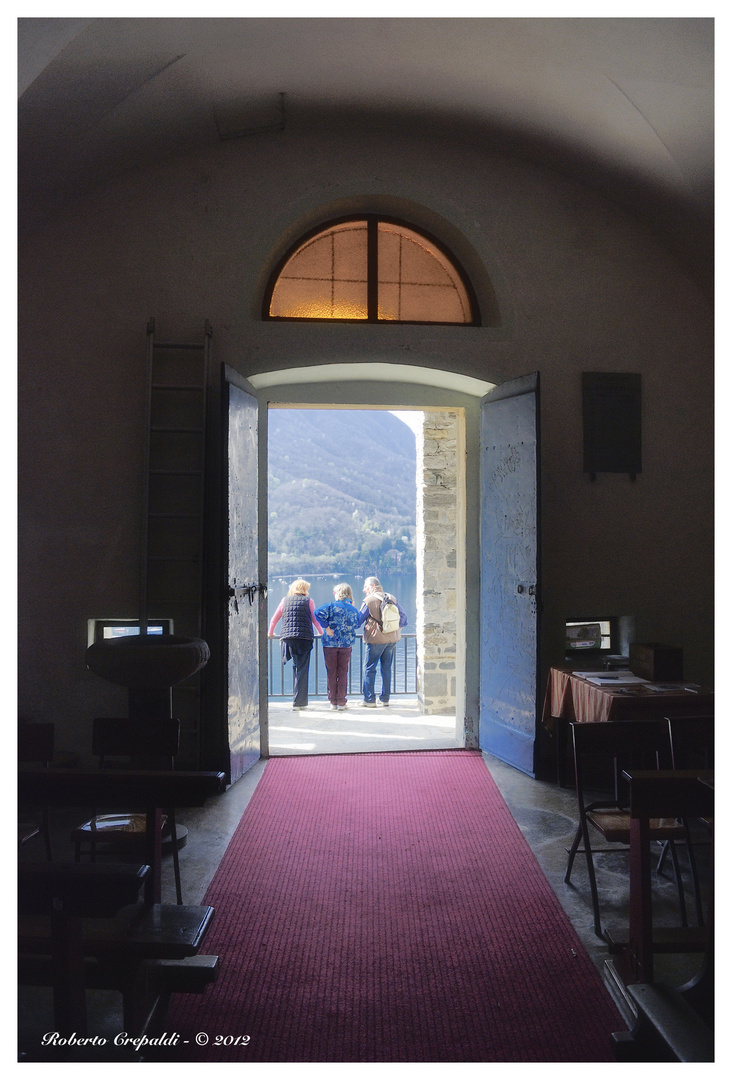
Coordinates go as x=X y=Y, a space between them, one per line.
x=342 y=491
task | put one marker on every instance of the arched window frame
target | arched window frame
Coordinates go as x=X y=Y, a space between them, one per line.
x=372 y=226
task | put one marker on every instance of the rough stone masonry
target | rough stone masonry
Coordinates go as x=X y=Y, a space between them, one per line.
x=437 y=510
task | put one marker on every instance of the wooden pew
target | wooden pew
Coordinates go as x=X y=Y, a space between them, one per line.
x=84 y=787
x=673 y=1023
x=83 y=925
x=124 y=788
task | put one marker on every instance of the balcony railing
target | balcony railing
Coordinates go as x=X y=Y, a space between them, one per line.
x=403 y=672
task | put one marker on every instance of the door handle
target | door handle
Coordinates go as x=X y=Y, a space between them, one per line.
x=531 y=589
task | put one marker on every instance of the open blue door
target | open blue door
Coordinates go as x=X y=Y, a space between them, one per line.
x=509 y=576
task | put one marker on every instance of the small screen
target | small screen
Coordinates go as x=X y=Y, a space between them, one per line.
x=129 y=631
x=587 y=635
x=113 y=629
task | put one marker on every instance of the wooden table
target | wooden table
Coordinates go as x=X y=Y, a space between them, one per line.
x=572 y=698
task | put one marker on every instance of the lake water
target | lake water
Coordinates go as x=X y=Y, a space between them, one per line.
x=403 y=586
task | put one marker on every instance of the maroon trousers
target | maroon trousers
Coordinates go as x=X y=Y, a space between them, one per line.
x=336 y=664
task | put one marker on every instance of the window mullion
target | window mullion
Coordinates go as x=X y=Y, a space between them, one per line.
x=372 y=269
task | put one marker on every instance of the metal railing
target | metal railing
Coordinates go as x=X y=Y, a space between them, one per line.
x=403 y=672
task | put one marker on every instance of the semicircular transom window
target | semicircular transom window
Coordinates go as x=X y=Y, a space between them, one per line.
x=374 y=270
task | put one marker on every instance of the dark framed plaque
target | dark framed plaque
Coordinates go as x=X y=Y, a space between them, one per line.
x=611 y=413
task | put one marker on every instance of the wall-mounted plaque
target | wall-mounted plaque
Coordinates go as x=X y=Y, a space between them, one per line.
x=611 y=411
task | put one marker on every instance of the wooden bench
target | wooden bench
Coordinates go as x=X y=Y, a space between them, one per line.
x=82 y=927
x=145 y=988
x=667 y=1028
x=36 y=747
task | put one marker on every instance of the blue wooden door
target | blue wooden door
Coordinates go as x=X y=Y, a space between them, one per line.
x=245 y=595
x=509 y=578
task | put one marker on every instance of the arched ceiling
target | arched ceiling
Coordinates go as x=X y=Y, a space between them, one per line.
x=625 y=104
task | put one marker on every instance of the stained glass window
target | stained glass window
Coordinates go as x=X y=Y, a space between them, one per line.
x=373 y=270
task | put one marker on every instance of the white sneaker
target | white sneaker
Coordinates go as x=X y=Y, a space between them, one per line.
x=334 y=708
x=369 y=704
x=341 y=708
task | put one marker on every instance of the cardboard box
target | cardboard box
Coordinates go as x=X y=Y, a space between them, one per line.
x=659 y=663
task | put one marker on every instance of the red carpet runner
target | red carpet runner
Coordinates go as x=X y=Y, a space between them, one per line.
x=386 y=907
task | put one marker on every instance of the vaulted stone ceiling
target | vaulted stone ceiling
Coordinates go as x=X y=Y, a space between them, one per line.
x=625 y=104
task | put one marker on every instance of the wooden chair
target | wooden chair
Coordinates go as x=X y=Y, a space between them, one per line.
x=35 y=747
x=143 y=745
x=673 y=1023
x=623 y=745
x=692 y=747
x=692 y=741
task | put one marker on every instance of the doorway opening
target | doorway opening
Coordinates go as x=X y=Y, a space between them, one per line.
x=355 y=491
x=497 y=616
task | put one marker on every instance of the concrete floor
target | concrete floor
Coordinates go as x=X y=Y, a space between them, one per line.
x=545 y=813
x=358 y=730
x=547 y=817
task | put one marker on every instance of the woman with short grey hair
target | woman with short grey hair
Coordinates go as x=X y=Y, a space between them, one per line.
x=341 y=620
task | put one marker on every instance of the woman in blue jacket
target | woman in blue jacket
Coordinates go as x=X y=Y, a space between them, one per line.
x=340 y=621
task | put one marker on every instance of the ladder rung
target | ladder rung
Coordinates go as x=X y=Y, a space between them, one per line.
x=174 y=558
x=176 y=472
x=172 y=345
x=177 y=430
x=179 y=386
x=168 y=600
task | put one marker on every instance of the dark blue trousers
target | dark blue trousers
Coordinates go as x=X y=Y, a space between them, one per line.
x=298 y=649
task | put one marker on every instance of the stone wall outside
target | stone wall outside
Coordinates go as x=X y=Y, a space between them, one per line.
x=437 y=531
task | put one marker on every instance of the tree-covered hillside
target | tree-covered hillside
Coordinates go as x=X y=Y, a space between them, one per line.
x=342 y=492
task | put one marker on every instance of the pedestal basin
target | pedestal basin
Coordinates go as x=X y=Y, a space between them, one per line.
x=147 y=662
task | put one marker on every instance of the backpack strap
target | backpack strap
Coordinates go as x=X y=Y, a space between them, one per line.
x=376 y=617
